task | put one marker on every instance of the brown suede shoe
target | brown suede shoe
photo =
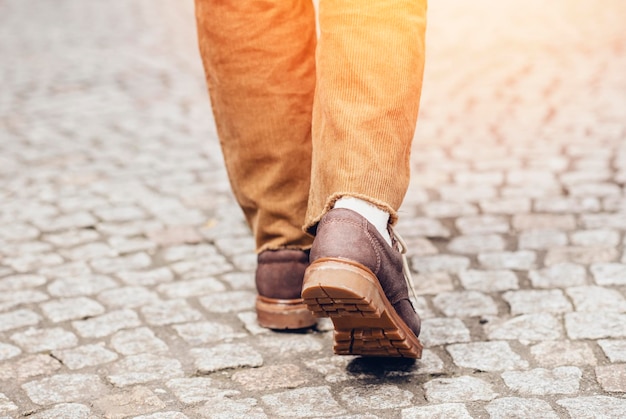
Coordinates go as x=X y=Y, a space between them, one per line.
x=279 y=277
x=357 y=280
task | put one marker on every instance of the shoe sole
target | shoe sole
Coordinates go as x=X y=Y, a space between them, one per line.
x=365 y=321
x=283 y=314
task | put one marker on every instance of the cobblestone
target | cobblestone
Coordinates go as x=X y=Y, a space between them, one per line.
x=465 y=304
x=333 y=369
x=206 y=332
x=124 y=245
x=80 y=286
x=581 y=255
x=18 y=318
x=8 y=351
x=488 y=281
x=198 y=389
x=174 y=236
x=443 y=331
x=147 y=278
x=541 y=381
x=476 y=244
x=283 y=345
x=486 y=356
x=542 y=239
x=612 y=378
x=29 y=367
x=420 y=247
x=225 y=408
x=520 y=260
x=594 y=298
x=71 y=309
x=138 y=400
x=63 y=388
x=444 y=209
x=228 y=301
x=524 y=222
x=609 y=273
x=459 y=389
x=569 y=204
x=445 y=410
x=508 y=206
x=375 y=397
x=85 y=356
x=592 y=238
x=32 y=262
x=594 y=406
x=526 y=328
x=18 y=282
x=597 y=325
x=432 y=283
x=558 y=276
x=615 y=350
x=226 y=356
x=72 y=237
x=11 y=299
x=65 y=410
x=89 y=251
x=6 y=405
x=443 y=263
x=128 y=297
x=203 y=266
x=163 y=415
x=170 y=312
x=106 y=324
x=467 y=193
x=519 y=408
x=426 y=227
x=40 y=340
x=65 y=222
x=123 y=263
x=191 y=288
x=249 y=320
x=482 y=224
x=143 y=368
x=272 y=377
x=136 y=341
x=537 y=301
x=72 y=269
x=430 y=363
x=597 y=189
x=302 y=403
x=563 y=353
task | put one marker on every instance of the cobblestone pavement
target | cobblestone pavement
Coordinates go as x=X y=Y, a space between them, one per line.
x=126 y=270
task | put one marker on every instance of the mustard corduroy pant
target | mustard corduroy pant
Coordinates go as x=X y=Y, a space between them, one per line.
x=304 y=121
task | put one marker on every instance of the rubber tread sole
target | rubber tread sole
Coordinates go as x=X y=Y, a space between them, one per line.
x=365 y=321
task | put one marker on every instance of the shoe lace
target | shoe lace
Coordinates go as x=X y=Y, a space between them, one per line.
x=402 y=248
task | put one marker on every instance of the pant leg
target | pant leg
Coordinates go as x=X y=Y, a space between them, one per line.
x=259 y=61
x=370 y=62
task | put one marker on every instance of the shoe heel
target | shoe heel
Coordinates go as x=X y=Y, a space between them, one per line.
x=338 y=289
x=283 y=314
x=365 y=321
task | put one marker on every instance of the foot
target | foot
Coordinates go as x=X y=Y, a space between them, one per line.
x=357 y=280
x=279 y=277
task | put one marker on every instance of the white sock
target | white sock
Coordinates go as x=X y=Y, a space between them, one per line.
x=377 y=217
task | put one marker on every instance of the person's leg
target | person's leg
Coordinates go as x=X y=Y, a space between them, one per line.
x=258 y=58
x=259 y=61
x=370 y=63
